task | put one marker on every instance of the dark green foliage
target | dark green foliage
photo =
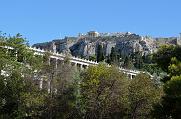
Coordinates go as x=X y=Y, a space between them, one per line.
x=138 y=60
x=99 y=92
x=64 y=102
x=100 y=55
x=92 y=58
x=104 y=93
x=143 y=94
x=114 y=57
x=19 y=96
x=170 y=106
x=164 y=55
x=128 y=63
x=148 y=59
x=169 y=59
x=108 y=59
x=174 y=67
x=152 y=68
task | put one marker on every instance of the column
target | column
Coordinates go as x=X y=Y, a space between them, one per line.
x=131 y=76
x=48 y=86
x=81 y=66
x=56 y=64
x=49 y=61
x=41 y=83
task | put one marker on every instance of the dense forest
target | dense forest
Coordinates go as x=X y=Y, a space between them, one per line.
x=98 y=92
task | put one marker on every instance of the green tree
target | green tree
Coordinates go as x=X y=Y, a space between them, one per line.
x=63 y=98
x=138 y=60
x=152 y=68
x=17 y=66
x=148 y=59
x=93 y=58
x=103 y=92
x=165 y=54
x=175 y=67
x=100 y=55
x=170 y=106
x=143 y=94
x=114 y=57
x=169 y=58
x=128 y=63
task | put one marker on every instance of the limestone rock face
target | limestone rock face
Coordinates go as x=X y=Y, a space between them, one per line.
x=109 y=46
x=125 y=44
x=86 y=45
x=144 y=45
x=78 y=49
x=57 y=45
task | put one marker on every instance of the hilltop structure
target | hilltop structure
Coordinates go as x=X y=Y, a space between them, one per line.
x=125 y=43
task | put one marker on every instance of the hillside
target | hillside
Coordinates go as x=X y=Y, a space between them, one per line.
x=125 y=44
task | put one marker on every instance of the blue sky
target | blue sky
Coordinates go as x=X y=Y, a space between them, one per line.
x=45 y=20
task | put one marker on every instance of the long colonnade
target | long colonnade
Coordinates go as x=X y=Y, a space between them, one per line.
x=58 y=58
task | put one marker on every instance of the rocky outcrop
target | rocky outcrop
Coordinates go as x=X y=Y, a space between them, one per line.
x=86 y=45
x=125 y=44
x=57 y=45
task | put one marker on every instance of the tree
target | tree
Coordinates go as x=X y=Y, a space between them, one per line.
x=175 y=67
x=19 y=95
x=103 y=92
x=92 y=58
x=63 y=97
x=170 y=106
x=148 y=59
x=128 y=63
x=138 y=60
x=143 y=94
x=169 y=59
x=152 y=68
x=164 y=55
x=114 y=57
x=100 y=55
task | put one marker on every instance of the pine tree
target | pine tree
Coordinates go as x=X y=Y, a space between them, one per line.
x=128 y=63
x=138 y=60
x=114 y=57
x=100 y=56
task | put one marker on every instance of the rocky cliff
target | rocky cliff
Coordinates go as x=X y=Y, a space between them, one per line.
x=86 y=45
x=57 y=45
x=125 y=44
